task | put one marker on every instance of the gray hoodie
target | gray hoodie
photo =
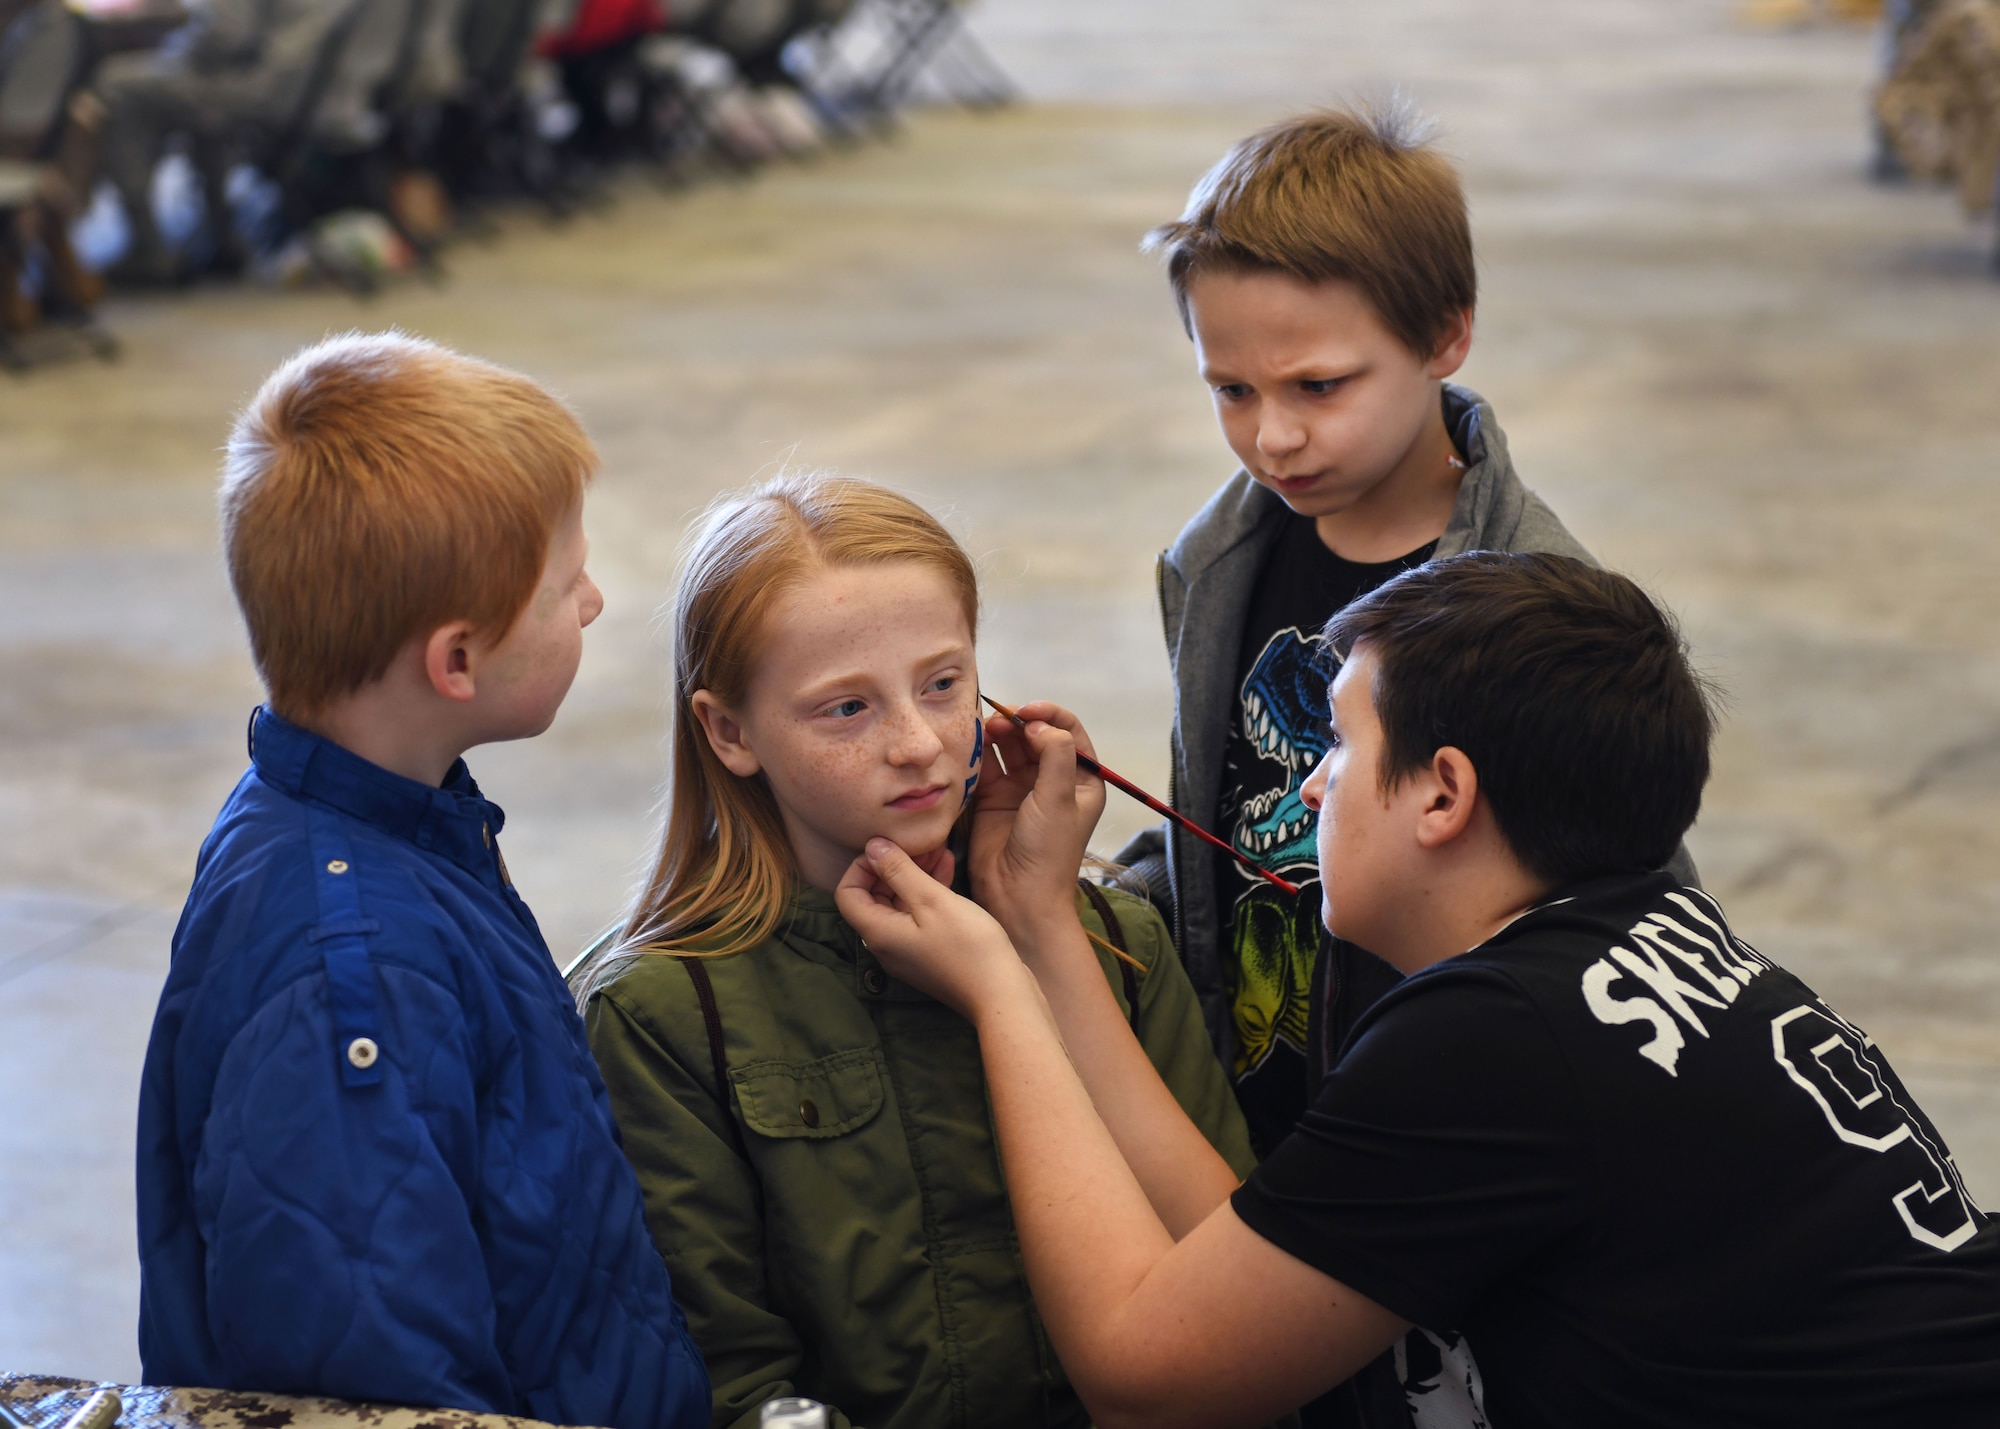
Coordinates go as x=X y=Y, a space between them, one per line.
x=1206 y=578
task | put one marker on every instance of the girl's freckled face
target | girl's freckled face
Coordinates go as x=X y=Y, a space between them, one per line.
x=863 y=712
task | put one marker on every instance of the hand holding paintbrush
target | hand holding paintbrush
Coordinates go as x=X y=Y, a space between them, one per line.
x=1119 y=782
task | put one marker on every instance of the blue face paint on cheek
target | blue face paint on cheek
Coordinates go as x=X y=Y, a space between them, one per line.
x=978 y=753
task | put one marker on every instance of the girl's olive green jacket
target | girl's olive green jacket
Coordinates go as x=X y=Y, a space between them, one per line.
x=835 y=1218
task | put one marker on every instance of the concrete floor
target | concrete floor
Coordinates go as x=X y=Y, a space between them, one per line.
x=1737 y=369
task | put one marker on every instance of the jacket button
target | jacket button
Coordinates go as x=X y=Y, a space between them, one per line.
x=874 y=980
x=336 y=865
x=808 y=1113
x=362 y=1052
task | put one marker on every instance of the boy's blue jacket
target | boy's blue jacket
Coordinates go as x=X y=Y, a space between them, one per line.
x=375 y=1157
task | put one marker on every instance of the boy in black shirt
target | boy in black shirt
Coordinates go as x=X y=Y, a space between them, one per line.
x=1646 y=1172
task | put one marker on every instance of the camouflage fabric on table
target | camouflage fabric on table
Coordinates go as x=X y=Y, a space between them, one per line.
x=47 y=1402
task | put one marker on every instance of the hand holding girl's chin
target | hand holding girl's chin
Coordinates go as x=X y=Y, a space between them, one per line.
x=922 y=932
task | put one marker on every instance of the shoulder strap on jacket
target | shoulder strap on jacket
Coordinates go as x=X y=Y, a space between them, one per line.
x=711 y=1018
x=1115 y=933
x=341 y=934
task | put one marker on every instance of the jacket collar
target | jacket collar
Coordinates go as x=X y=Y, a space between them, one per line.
x=814 y=918
x=1468 y=419
x=815 y=930
x=452 y=820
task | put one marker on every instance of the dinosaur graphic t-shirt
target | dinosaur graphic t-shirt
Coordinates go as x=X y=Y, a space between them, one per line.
x=1277 y=733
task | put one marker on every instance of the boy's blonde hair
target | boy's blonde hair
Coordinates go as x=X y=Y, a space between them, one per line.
x=725 y=870
x=379 y=486
x=1358 y=195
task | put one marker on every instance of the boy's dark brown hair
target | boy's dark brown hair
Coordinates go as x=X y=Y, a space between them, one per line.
x=1568 y=689
x=1355 y=195
x=379 y=486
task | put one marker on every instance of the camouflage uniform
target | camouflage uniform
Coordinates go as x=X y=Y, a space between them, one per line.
x=1940 y=107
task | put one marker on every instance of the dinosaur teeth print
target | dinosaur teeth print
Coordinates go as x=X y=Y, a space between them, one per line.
x=1278 y=732
x=1267 y=733
x=1284 y=833
x=1263 y=841
x=1282 y=709
x=1258 y=808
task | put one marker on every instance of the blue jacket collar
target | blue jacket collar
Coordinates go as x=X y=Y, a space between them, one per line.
x=452 y=820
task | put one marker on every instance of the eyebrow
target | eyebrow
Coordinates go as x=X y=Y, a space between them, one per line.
x=1323 y=372
x=820 y=689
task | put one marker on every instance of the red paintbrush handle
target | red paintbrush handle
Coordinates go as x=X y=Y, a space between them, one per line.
x=1119 y=781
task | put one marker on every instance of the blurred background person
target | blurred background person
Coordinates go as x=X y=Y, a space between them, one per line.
x=235 y=64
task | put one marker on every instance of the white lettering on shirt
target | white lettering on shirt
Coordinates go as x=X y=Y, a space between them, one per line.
x=1654 y=931
x=1836 y=1064
x=1665 y=1048
x=1742 y=959
x=1724 y=966
x=1650 y=968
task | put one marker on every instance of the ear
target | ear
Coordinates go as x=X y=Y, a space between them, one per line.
x=1454 y=344
x=449 y=658
x=725 y=734
x=1450 y=791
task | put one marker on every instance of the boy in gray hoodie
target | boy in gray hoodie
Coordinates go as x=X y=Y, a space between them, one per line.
x=1324 y=269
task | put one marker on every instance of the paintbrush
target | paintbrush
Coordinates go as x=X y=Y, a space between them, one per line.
x=1119 y=781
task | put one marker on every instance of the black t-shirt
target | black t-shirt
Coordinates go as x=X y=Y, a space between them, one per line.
x=1652 y=1178
x=1277 y=733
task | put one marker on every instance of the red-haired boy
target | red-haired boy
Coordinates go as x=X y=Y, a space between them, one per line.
x=375 y=1158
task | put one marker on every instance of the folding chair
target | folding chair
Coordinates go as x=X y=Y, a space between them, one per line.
x=873 y=63
x=45 y=293
x=604 y=79
x=429 y=76
x=683 y=86
x=492 y=141
x=717 y=51
x=345 y=147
